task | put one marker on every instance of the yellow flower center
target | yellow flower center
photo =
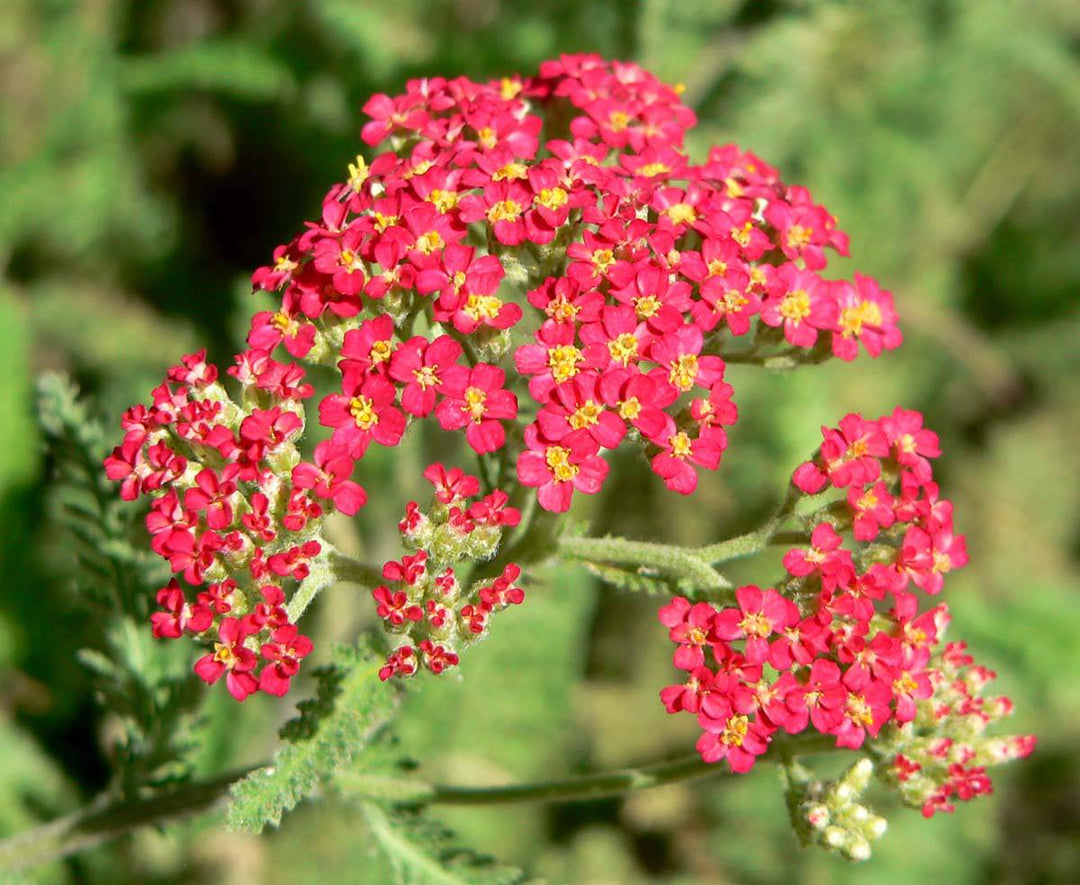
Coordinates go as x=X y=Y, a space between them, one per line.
x=284 y=264
x=795 y=306
x=363 y=412
x=905 y=684
x=282 y=322
x=683 y=372
x=381 y=351
x=552 y=198
x=426 y=376
x=619 y=120
x=681 y=444
x=602 y=259
x=504 y=210
x=560 y=309
x=859 y=711
x=358 y=173
x=224 y=654
x=382 y=222
x=942 y=562
x=509 y=89
x=651 y=170
x=419 y=169
x=624 y=348
x=798 y=236
x=482 y=307
x=486 y=136
x=430 y=242
x=681 y=213
x=755 y=624
x=563 y=360
x=510 y=171
x=444 y=201
x=734 y=732
x=629 y=409
x=586 y=415
x=734 y=186
x=733 y=301
x=475 y=400
x=558 y=459
x=717 y=267
x=741 y=235
x=852 y=319
x=646 y=306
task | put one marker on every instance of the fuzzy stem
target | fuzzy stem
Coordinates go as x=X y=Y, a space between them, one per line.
x=675 y=561
x=104 y=819
x=754 y=542
x=330 y=568
x=694 y=564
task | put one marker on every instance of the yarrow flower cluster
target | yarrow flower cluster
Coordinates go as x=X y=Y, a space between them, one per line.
x=551 y=226
x=840 y=645
x=557 y=216
x=234 y=510
x=535 y=266
x=424 y=604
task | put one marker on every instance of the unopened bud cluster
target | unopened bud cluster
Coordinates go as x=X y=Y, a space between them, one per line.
x=423 y=605
x=828 y=812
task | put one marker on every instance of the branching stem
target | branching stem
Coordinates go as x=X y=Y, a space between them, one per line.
x=107 y=819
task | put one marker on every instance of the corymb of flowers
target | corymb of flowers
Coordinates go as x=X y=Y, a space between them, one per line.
x=535 y=264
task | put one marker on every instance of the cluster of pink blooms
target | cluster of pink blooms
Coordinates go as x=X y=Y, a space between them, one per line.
x=632 y=269
x=423 y=604
x=233 y=510
x=593 y=258
x=840 y=645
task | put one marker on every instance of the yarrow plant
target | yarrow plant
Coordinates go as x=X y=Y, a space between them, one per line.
x=536 y=265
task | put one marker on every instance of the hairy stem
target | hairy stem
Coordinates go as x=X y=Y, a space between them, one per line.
x=107 y=819
x=674 y=561
x=692 y=564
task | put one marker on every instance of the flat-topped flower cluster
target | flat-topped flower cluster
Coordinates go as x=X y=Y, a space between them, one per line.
x=567 y=193
x=549 y=226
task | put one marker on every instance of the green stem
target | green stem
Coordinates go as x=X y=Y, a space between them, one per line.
x=675 y=561
x=104 y=819
x=326 y=571
x=692 y=564
x=756 y=541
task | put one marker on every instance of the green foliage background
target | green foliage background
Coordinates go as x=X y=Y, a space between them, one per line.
x=153 y=152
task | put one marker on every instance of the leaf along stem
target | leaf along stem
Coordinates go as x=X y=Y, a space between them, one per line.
x=106 y=819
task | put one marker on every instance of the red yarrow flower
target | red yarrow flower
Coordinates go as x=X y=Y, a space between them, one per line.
x=232 y=659
x=759 y=615
x=557 y=469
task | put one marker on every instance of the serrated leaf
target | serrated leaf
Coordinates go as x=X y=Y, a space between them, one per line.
x=362 y=707
x=421 y=852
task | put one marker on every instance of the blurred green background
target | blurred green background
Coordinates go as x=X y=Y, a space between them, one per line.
x=153 y=152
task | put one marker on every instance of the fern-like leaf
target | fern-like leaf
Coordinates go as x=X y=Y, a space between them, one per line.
x=422 y=852
x=327 y=737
